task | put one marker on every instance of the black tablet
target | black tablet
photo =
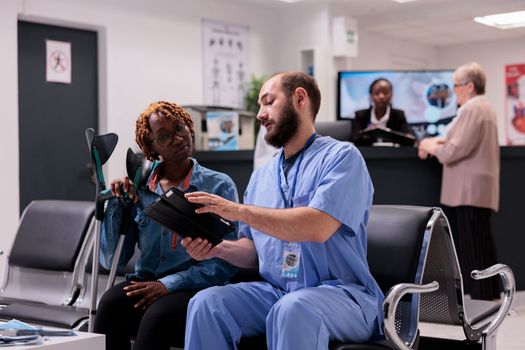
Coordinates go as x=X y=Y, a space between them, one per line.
x=175 y=212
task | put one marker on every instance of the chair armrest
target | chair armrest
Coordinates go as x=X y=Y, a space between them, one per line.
x=390 y=303
x=509 y=288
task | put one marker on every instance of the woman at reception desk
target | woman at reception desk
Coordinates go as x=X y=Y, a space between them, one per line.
x=381 y=122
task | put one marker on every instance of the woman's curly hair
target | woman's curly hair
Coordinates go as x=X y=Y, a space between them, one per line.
x=170 y=111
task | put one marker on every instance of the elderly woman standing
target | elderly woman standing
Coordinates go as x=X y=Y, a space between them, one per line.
x=470 y=185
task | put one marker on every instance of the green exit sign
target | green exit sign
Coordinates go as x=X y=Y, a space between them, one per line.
x=350 y=37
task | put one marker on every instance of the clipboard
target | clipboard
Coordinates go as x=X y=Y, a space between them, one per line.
x=173 y=211
x=377 y=132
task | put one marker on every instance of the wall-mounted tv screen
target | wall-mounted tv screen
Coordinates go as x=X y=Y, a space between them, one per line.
x=427 y=97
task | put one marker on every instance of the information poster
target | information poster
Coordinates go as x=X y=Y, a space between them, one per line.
x=515 y=104
x=225 y=60
x=223 y=131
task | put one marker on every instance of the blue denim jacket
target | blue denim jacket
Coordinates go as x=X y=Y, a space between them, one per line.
x=160 y=259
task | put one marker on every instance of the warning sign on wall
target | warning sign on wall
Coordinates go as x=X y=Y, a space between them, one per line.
x=58 y=61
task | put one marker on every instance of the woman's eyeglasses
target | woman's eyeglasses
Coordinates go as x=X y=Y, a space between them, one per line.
x=461 y=84
x=164 y=139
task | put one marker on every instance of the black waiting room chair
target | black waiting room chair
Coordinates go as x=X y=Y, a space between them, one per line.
x=398 y=241
x=478 y=319
x=48 y=281
x=46 y=261
x=340 y=130
x=74 y=316
x=411 y=250
x=46 y=265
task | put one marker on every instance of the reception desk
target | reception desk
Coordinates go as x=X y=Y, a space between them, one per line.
x=400 y=177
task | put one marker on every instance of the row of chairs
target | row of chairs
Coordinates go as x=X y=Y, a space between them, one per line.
x=49 y=266
x=48 y=275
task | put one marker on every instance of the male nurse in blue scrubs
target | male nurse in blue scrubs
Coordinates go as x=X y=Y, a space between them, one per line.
x=303 y=224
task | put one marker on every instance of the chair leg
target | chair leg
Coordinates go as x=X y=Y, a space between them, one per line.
x=488 y=341
x=428 y=343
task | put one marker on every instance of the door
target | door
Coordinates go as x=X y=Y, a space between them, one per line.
x=53 y=116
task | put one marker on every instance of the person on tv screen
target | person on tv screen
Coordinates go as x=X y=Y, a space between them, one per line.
x=303 y=224
x=380 y=113
x=470 y=156
x=150 y=305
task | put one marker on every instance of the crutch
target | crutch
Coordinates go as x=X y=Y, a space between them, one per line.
x=138 y=169
x=100 y=149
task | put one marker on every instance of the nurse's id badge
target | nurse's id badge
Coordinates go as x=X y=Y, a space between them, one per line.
x=291 y=260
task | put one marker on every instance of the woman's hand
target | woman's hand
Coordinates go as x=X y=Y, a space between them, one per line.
x=149 y=291
x=120 y=187
x=422 y=154
x=200 y=249
x=429 y=146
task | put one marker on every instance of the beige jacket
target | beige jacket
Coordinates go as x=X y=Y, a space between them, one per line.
x=471 y=157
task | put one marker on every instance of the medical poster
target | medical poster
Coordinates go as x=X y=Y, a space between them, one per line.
x=225 y=59
x=515 y=104
x=223 y=130
x=58 y=62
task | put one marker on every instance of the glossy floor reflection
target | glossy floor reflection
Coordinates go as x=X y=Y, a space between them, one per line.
x=511 y=334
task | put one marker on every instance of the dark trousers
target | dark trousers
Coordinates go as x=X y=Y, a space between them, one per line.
x=162 y=324
x=471 y=229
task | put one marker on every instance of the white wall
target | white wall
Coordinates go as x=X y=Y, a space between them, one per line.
x=149 y=50
x=152 y=50
x=377 y=52
x=310 y=26
x=493 y=56
x=9 y=141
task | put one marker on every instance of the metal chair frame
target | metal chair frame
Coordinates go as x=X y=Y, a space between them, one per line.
x=447 y=305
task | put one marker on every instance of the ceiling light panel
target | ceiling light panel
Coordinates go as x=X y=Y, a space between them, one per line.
x=403 y=1
x=507 y=20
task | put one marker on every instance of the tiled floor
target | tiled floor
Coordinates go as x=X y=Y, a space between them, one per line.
x=511 y=334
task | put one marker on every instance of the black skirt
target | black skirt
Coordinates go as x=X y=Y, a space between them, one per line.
x=471 y=229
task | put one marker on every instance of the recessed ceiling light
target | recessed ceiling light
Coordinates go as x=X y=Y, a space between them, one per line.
x=290 y=1
x=507 y=20
x=403 y=1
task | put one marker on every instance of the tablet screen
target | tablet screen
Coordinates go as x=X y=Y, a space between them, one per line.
x=175 y=212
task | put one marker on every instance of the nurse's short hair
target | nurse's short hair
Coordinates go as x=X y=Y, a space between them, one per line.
x=293 y=80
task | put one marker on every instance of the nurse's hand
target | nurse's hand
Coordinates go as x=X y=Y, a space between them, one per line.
x=200 y=249
x=215 y=204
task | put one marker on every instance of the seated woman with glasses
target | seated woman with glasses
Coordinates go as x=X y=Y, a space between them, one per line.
x=151 y=305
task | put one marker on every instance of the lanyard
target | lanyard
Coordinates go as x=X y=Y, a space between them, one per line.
x=289 y=203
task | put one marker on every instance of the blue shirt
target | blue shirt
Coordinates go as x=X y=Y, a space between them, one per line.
x=331 y=177
x=160 y=258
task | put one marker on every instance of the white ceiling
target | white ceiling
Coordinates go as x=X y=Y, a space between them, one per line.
x=428 y=22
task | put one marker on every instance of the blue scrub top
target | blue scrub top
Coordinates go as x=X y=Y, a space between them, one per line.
x=332 y=177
